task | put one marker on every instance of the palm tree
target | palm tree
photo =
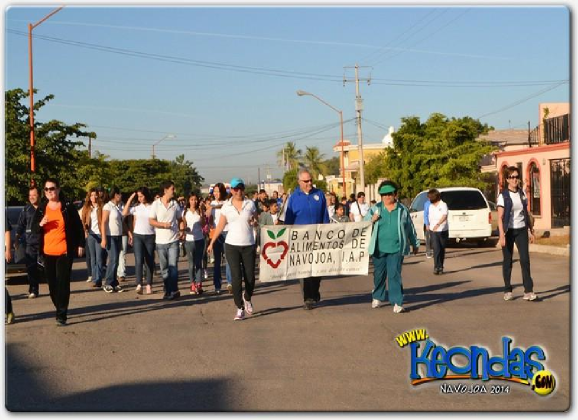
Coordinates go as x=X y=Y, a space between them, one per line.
x=289 y=156
x=313 y=159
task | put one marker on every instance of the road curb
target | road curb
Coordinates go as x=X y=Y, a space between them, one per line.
x=545 y=249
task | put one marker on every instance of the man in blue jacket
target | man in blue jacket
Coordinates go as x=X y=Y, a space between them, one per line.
x=31 y=242
x=306 y=206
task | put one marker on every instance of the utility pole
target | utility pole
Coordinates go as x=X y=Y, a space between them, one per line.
x=90 y=147
x=358 y=109
x=258 y=179
x=529 y=136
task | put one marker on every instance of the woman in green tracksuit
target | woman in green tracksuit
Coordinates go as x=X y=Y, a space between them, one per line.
x=392 y=234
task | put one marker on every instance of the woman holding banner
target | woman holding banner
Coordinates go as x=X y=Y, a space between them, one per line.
x=239 y=213
x=393 y=232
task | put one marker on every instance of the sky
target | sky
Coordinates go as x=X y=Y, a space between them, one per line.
x=218 y=84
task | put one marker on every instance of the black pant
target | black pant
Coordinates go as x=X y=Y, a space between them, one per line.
x=58 y=270
x=439 y=241
x=32 y=269
x=7 y=302
x=241 y=260
x=310 y=288
x=520 y=237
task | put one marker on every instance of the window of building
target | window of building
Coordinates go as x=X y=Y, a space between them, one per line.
x=535 y=189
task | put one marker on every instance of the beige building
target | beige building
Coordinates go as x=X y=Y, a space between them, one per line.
x=351 y=160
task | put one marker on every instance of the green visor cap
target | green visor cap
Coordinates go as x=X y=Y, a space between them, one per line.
x=386 y=189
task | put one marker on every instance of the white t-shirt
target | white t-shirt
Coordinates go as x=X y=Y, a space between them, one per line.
x=517 y=216
x=142 y=225
x=240 y=230
x=194 y=228
x=94 y=226
x=216 y=214
x=331 y=211
x=114 y=225
x=435 y=214
x=163 y=214
x=358 y=210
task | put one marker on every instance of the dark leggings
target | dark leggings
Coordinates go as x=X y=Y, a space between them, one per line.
x=439 y=241
x=520 y=238
x=241 y=259
x=58 y=270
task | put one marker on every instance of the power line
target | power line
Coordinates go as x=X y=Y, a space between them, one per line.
x=518 y=102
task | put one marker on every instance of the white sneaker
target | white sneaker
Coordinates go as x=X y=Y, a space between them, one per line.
x=89 y=279
x=248 y=306
x=429 y=255
x=32 y=296
x=139 y=289
x=508 y=296
x=376 y=303
x=530 y=296
x=398 y=309
x=240 y=315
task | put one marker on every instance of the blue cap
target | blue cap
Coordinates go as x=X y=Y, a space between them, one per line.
x=235 y=182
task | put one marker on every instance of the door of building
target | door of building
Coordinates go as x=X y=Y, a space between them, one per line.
x=560 y=190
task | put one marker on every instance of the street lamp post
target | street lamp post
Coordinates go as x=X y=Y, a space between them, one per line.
x=168 y=136
x=303 y=93
x=31 y=91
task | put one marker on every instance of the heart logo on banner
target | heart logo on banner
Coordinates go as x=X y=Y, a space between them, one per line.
x=272 y=246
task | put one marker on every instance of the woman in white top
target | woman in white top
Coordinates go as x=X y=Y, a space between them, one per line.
x=195 y=243
x=143 y=238
x=515 y=226
x=214 y=215
x=111 y=226
x=91 y=221
x=240 y=214
x=438 y=225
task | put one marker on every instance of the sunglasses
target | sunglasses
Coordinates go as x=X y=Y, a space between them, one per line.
x=238 y=188
x=307 y=181
x=389 y=193
x=46 y=189
x=514 y=177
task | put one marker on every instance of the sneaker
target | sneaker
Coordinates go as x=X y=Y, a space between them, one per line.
x=32 y=295
x=194 y=289
x=108 y=289
x=240 y=315
x=429 y=255
x=248 y=306
x=10 y=318
x=398 y=309
x=118 y=289
x=97 y=285
x=89 y=279
x=200 y=288
x=138 y=289
x=149 y=289
x=508 y=296
x=60 y=323
x=376 y=303
x=217 y=291
x=309 y=304
x=230 y=288
x=530 y=296
x=174 y=295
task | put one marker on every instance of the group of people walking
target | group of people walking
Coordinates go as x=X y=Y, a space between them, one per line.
x=55 y=233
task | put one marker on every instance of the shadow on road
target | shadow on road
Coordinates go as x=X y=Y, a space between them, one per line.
x=26 y=391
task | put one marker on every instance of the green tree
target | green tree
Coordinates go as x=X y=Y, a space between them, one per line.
x=332 y=166
x=56 y=150
x=376 y=168
x=289 y=156
x=441 y=152
x=313 y=160
x=185 y=176
x=290 y=180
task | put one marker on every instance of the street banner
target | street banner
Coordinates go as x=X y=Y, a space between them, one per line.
x=298 y=251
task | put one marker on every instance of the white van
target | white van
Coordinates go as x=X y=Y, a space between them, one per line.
x=469 y=214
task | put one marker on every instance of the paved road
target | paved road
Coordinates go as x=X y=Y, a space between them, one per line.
x=124 y=352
